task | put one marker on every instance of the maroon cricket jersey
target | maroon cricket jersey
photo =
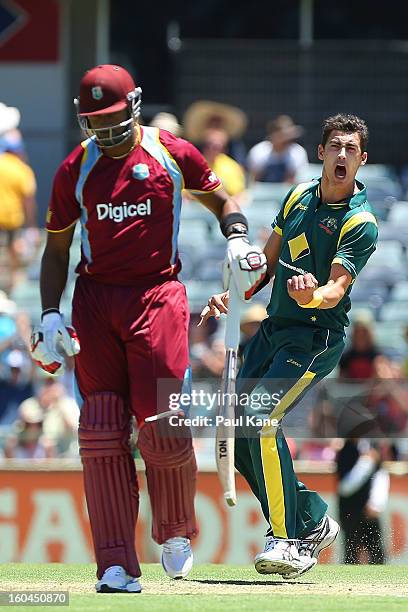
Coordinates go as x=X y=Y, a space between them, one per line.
x=129 y=208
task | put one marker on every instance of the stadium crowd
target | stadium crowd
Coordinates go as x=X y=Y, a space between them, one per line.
x=38 y=413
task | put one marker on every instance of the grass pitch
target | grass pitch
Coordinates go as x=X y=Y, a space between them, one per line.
x=327 y=588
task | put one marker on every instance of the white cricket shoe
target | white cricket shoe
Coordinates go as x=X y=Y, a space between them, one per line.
x=177 y=557
x=116 y=580
x=322 y=536
x=282 y=557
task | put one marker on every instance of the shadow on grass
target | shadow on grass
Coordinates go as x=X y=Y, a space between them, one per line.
x=251 y=582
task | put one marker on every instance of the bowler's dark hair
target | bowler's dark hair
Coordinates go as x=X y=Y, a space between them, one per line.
x=348 y=124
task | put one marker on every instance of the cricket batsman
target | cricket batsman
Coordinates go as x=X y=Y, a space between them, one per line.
x=322 y=237
x=124 y=184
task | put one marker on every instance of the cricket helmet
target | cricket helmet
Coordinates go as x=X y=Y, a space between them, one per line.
x=107 y=89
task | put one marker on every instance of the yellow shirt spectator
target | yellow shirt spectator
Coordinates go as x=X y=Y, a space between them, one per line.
x=17 y=182
x=230 y=174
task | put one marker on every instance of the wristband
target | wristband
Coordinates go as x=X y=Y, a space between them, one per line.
x=315 y=302
x=48 y=311
x=227 y=224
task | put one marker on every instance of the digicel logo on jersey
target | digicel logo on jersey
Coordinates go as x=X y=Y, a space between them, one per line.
x=123 y=211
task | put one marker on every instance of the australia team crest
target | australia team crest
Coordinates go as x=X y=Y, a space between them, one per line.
x=329 y=225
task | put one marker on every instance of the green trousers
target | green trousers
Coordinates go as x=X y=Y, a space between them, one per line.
x=280 y=364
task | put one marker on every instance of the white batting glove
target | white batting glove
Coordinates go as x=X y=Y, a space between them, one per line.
x=49 y=339
x=245 y=263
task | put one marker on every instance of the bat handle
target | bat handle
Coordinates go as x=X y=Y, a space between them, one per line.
x=232 y=329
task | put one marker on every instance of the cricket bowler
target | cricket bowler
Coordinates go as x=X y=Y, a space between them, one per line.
x=322 y=237
x=124 y=184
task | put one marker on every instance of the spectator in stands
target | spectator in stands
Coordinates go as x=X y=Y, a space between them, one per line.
x=363 y=491
x=405 y=360
x=199 y=342
x=206 y=114
x=28 y=440
x=12 y=141
x=250 y=323
x=16 y=384
x=230 y=173
x=278 y=159
x=17 y=192
x=208 y=359
x=15 y=364
x=207 y=350
x=322 y=422
x=388 y=397
x=60 y=416
x=167 y=121
x=357 y=362
x=8 y=326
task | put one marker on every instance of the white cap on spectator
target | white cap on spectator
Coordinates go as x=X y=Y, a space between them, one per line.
x=363 y=316
x=9 y=118
x=16 y=359
x=30 y=411
x=167 y=121
x=7 y=306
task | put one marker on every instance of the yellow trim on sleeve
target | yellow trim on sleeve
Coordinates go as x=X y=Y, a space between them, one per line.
x=337 y=260
x=294 y=196
x=62 y=230
x=278 y=230
x=357 y=219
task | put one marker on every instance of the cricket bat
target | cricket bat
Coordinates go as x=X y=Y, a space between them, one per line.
x=225 y=440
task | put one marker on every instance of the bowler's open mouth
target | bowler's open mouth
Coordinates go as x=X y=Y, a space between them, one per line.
x=340 y=171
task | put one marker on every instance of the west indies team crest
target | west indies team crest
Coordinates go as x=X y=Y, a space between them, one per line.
x=140 y=171
x=97 y=92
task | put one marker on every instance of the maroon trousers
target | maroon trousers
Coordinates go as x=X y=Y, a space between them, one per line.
x=131 y=338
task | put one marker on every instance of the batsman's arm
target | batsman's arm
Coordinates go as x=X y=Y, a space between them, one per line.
x=218 y=303
x=54 y=267
x=227 y=211
x=219 y=203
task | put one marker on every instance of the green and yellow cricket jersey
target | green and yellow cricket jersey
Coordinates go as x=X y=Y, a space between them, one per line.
x=314 y=236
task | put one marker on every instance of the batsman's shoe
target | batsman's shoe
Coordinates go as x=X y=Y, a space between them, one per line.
x=116 y=580
x=177 y=557
x=282 y=557
x=322 y=536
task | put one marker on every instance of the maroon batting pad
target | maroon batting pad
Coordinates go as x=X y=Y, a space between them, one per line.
x=111 y=488
x=171 y=479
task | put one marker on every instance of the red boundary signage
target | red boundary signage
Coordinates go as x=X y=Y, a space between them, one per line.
x=30 y=31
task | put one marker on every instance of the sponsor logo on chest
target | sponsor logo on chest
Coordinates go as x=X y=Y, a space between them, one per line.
x=119 y=212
